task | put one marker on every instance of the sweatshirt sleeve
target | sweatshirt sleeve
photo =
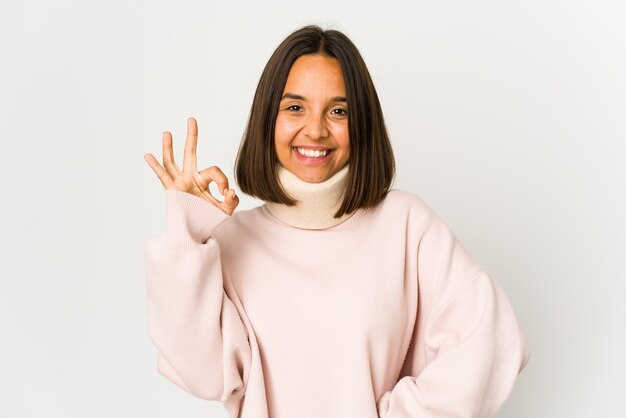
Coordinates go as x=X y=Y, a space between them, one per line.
x=467 y=347
x=201 y=340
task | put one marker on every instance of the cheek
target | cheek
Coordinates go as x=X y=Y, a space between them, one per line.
x=283 y=131
x=343 y=138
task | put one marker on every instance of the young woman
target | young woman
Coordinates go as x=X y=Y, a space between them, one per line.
x=338 y=297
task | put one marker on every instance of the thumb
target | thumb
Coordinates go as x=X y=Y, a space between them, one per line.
x=231 y=200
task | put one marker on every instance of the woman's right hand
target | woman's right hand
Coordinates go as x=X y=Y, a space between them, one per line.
x=189 y=179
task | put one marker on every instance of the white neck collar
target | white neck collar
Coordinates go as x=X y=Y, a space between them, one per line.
x=317 y=202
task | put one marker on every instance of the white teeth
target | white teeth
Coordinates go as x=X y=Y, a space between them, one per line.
x=311 y=153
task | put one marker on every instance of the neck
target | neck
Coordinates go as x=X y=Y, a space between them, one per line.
x=317 y=202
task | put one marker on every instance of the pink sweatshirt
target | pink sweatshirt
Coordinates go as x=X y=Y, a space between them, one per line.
x=383 y=315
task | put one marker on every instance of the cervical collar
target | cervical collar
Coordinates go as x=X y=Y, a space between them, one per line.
x=317 y=202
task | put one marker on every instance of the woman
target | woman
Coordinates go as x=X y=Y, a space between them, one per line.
x=358 y=301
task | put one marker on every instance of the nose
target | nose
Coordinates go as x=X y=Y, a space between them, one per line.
x=316 y=126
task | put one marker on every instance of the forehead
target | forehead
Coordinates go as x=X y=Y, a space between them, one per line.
x=314 y=73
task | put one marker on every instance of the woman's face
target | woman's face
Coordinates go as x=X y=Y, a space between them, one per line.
x=313 y=115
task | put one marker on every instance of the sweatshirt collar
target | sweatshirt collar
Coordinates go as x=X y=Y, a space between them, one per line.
x=317 y=202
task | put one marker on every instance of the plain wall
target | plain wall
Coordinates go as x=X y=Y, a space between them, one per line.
x=508 y=118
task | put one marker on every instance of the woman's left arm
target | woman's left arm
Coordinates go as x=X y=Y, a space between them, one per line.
x=467 y=347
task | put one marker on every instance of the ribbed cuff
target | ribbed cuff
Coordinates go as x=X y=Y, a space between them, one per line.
x=189 y=219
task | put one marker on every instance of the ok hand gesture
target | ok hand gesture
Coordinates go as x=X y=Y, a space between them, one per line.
x=189 y=179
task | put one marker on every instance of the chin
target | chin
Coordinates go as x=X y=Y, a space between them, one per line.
x=312 y=178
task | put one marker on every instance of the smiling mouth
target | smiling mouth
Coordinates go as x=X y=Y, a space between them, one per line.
x=309 y=153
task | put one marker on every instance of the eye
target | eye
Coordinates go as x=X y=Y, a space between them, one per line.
x=340 y=112
x=294 y=108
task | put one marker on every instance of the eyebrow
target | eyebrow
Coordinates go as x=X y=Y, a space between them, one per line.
x=298 y=97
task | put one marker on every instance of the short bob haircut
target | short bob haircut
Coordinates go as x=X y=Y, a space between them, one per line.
x=372 y=164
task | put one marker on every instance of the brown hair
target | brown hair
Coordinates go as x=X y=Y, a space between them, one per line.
x=372 y=164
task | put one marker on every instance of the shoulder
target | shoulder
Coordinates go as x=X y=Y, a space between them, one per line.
x=406 y=201
x=403 y=197
x=413 y=210
x=238 y=223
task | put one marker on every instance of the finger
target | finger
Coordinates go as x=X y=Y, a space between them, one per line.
x=214 y=173
x=201 y=183
x=161 y=173
x=168 y=156
x=232 y=200
x=189 y=162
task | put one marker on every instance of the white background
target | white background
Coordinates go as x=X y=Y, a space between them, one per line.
x=507 y=117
